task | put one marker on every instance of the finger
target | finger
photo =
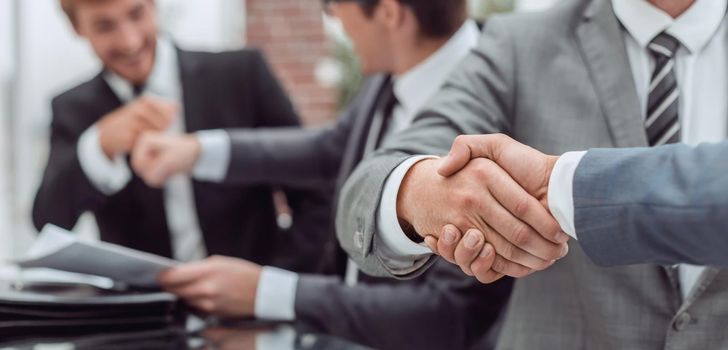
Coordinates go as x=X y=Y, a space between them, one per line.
x=467 y=147
x=509 y=268
x=144 y=151
x=148 y=115
x=450 y=237
x=527 y=208
x=468 y=249
x=183 y=274
x=482 y=266
x=431 y=242
x=507 y=193
x=459 y=156
x=505 y=247
x=162 y=112
x=158 y=173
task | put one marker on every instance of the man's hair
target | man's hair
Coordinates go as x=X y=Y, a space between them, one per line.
x=68 y=7
x=437 y=18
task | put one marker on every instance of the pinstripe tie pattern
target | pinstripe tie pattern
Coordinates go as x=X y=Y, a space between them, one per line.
x=662 y=123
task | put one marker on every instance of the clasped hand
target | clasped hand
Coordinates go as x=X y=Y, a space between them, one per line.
x=484 y=207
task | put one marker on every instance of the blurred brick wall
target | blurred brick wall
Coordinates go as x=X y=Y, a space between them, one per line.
x=291 y=34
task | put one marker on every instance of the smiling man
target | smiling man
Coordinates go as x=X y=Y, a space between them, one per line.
x=147 y=84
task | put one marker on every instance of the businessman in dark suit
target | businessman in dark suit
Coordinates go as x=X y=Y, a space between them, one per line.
x=409 y=48
x=148 y=84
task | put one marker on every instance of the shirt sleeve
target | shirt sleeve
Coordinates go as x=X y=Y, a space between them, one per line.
x=561 y=194
x=214 y=160
x=276 y=295
x=398 y=251
x=108 y=175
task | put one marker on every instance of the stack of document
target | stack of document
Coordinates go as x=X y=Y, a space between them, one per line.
x=104 y=288
x=58 y=249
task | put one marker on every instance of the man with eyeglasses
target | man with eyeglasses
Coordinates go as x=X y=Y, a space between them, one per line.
x=408 y=47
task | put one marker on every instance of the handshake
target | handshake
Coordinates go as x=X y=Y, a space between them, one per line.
x=485 y=207
x=140 y=129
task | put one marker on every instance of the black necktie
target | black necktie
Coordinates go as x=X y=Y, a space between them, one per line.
x=137 y=89
x=385 y=107
x=662 y=123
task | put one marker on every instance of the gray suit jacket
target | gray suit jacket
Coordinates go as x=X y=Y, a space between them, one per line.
x=380 y=313
x=558 y=80
x=664 y=205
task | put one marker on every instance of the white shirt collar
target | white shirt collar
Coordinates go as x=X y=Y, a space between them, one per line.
x=415 y=87
x=693 y=29
x=163 y=81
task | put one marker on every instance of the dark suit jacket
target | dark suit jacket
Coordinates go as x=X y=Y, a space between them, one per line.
x=221 y=90
x=443 y=310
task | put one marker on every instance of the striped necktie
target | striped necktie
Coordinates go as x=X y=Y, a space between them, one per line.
x=662 y=123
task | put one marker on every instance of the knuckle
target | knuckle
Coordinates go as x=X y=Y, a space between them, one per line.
x=467 y=200
x=460 y=140
x=520 y=271
x=207 y=306
x=209 y=290
x=499 y=265
x=522 y=206
x=521 y=234
x=508 y=251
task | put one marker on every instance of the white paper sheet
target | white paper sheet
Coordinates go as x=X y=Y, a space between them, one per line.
x=58 y=249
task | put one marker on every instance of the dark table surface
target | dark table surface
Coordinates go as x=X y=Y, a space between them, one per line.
x=254 y=336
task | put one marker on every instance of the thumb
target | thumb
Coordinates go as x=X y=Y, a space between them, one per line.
x=142 y=152
x=457 y=159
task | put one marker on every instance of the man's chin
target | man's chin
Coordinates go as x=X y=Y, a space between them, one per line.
x=134 y=76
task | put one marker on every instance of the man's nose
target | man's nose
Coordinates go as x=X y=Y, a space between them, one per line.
x=129 y=39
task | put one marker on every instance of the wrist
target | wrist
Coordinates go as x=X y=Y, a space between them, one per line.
x=408 y=195
x=550 y=164
x=194 y=147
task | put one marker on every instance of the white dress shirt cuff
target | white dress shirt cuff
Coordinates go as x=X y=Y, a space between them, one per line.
x=108 y=176
x=276 y=295
x=561 y=193
x=283 y=338
x=214 y=158
x=397 y=245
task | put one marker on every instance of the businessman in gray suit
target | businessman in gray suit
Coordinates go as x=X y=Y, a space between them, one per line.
x=584 y=74
x=620 y=216
x=410 y=59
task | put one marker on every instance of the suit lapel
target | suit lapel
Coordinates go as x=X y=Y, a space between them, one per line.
x=354 y=151
x=610 y=73
x=706 y=278
x=192 y=95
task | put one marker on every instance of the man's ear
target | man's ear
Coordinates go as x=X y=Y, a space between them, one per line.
x=392 y=13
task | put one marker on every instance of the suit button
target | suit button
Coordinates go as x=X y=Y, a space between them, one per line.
x=359 y=239
x=682 y=321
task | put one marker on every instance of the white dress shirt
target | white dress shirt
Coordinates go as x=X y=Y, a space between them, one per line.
x=275 y=298
x=111 y=176
x=702 y=75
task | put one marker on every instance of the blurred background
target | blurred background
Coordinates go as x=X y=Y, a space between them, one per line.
x=40 y=57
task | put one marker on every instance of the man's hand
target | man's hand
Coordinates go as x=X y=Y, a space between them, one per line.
x=219 y=286
x=157 y=156
x=120 y=129
x=527 y=166
x=482 y=198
